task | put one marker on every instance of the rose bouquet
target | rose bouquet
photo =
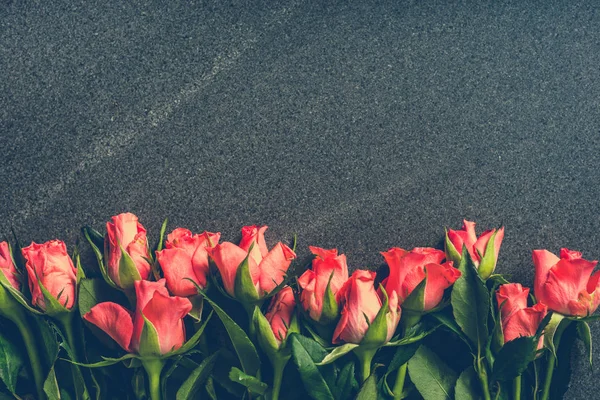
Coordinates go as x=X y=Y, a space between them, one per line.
x=197 y=317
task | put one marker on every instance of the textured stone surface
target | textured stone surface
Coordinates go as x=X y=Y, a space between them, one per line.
x=357 y=126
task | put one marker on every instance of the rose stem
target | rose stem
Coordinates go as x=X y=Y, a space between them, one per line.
x=552 y=361
x=517 y=388
x=278 y=368
x=67 y=323
x=153 y=367
x=408 y=321
x=32 y=352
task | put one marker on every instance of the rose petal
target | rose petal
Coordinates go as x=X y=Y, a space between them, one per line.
x=113 y=319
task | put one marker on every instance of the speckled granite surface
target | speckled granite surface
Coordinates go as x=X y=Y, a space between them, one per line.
x=357 y=126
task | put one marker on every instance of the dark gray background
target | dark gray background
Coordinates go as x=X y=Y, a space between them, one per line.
x=355 y=126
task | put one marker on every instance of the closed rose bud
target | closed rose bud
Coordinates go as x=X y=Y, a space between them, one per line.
x=267 y=268
x=409 y=268
x=49 y=264
x=517 y=319
x=281 y=312
x=125 y=234
x=483 y=250
x=566 y=284
x=328 y=268
x=185 y=256
x=163 y=312
x=360 y=305
x=7 y=266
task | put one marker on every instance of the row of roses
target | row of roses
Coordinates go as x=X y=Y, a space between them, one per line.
x=336 y=308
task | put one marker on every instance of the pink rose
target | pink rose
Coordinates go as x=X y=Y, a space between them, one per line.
x=477 y=247
x=164 y=312
x=185 y=256
x=314 y=281
x=517 y=319
x=280 y=313
x=566 y=284
x=360 y=305
x=267 y=268
x=124 y=231
x=8 y=266
x=51 y=265
x=409 y=268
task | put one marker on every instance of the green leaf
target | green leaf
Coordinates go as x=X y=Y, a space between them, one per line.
x=51 y=386
x=128 y=272
x=244 y=288
x=468 y=386
x=585 y=335
x=95 y=291
x=514 y=357
x=210 y=389
x=190 y=344
x=314 y=383
x=554 y=330
x=338 y=352
x=244 y=348
x=402 y=355
x=448 y=322
x=189 y=389
x=11 y=362
x=432 y=377
x=346 y=383
x=471 y=303
x=413 y=335
x=369 y=390
x=253 y=384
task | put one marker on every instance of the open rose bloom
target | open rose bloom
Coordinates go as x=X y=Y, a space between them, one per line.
x=328 y=268
x=360 y=305
x=185 y=257
x=483 y=250
x=164 y=314
x=409 y=268
x=7 y=266
x=566 y=284
x=124 y=234
x=49 y=264
x=267 y=268
x=517 y=319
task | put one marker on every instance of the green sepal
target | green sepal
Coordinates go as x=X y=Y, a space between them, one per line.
x=330 y=311
x=53 y=305
x=106 y=361
x=244 y=289
x=585 y=335
x=161 y=238
x=193 y=341
x=149 y=343
x=80 y=271
x=96 y=241
x=376 y=335
x=553 y=331
x=338 y=352
x=128 y=272
x=415 y=302
x=10 y=298
x=197 y=307
x=487 y=263
x=265 y=335
x=452 y=253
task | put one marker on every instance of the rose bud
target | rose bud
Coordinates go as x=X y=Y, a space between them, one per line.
x=273 y=329
x=250 y=271
x=185 y=256
x=50 y=267
x=155 y=311
x=566 y=284
x=360 y=306
x=483 y=250
x=517 y=319
x=409 y=268
x=7 y=266
x=126 y=249
x=321 y=283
